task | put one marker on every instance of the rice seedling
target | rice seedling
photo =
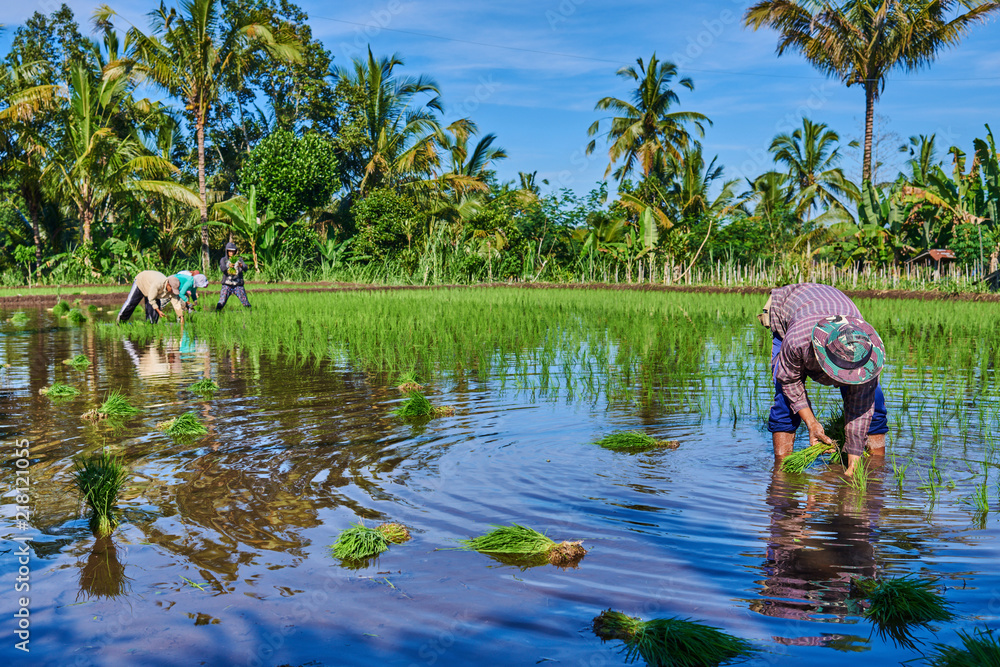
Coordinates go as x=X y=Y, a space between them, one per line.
x=79 y=362
x=359 y=543
x=59 y=390
x=797 y=462
x=522 y=545
x=76 y=316
x=91 y=308
x=394 y=533
x=205 y=387
x=61 y=308
x=417 y=405
x=186 y=425
x=896 y=605
x=899 y=471
x=100 y=479
x=859 y=479
x=19 y=319
x=635 y=441
x=979 y=649
x=670 y=642
x=115 y=406
x=408 y=382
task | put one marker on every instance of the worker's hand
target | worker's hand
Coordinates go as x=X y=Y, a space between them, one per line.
x=817 y=434
x=159 y=312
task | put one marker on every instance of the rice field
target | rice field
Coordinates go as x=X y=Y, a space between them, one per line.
x=631 y=422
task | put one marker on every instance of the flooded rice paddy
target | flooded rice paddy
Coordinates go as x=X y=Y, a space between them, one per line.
x=223 y=553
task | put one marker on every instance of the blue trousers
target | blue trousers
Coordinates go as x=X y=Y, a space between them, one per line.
x=783 y=420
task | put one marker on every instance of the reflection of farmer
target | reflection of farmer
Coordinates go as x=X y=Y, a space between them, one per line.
x=819 y=333
x=198 y=279
x=152 y=286
x=232 y=278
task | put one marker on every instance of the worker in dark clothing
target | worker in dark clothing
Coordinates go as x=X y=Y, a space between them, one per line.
x=232 y=269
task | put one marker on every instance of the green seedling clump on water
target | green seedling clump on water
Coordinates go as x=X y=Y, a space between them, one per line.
x=76 y=316
x=521 y=542
x=185 y=426
x=100 y=479
x=896 y=604
x=61 y=308
x=79 y=362
x=635 y=441
x=802 y=459
x=359 y=543
x=19 y=319
x=205 y=386
x=59 y=390
x=115 y=406
x=417 y=405
x=670 y=642
x=979 y=649
x=395 y=533
x=408 y=382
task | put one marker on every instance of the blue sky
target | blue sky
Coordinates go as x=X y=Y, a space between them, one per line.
x=531 y=72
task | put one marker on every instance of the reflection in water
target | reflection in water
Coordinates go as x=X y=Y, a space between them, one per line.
x=103 y=575
x=821 y=537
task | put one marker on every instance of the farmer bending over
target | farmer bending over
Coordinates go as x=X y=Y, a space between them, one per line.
x=819 y=333
x=198 y=279
x=152 y=286
x=232 y=278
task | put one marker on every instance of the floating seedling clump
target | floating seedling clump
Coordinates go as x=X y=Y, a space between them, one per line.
x=185 y=426
x=979 y=648
x=802 y=459
x=408 y=382
x=76 y=316
x=670 y=642
x=20 y=318
x=635 y=441
x=417 y=405
x=205 y=387
x=61 y=308
x=115 y=406
x=100 y=479
x=59 y=390
x=359 y=543
x=902 y=600
x=520 y=545
x=79 y=362
x=395 y=533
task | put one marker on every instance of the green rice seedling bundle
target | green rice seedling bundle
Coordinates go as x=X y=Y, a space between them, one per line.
x=408 y=382
x=417 y=405
x=59 y=390
x=520 y=542
x=91 y=308
x=61 y=308
x=20 y=318
x=185 y=426
x=895 y=604
x=979 y=649
x=802 y=459
x=76 y=316
x=205 y=387
x=635 y=441
x=115 y=406
x=670 y=642
x=394 y=533
x=79 y=362
x=359 y=543
x=100 y=479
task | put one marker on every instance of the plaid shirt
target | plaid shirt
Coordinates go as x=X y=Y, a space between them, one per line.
x=795 y=311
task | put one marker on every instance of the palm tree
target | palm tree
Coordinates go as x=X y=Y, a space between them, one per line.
x=398 y=134
x=810 y=155
x=194 y=54
x=465 y=170
x=923 y=158
x=647 y=131
x=861 y=41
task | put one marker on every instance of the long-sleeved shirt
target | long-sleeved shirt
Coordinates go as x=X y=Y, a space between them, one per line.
x=795 y=311
x=187 y=284
x=235 y=280
x=153 y=286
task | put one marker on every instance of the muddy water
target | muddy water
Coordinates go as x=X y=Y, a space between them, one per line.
x=223 y=553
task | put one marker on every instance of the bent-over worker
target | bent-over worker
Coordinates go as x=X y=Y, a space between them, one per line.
x=152 y=286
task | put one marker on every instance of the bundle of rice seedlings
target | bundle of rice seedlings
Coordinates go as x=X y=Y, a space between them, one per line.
x=417 y=405
x=185 y=426
x=59 y=390
x=205 y=386
x=802 y=459
x=91 y=308
x=101 y=478
x=395 y=533
x=979 y=649
x=635 y=441
x=408 y=382
x=902 y=600
x=20 y=318
x=76 y=316
x=79 y=362
x=103 y=576
x=115 y=405
x=525 y=545
x=359 y=543
x=664 y=642
x=61 y=308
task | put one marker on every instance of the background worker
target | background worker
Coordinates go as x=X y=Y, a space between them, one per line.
x=232 y=278
x=152 y=286
x=198 y=280
x=819 y=333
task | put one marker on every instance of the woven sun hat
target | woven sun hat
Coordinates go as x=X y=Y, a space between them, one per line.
x=848 y=349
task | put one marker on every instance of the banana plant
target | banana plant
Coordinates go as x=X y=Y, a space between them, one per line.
x=241 y=217
x=879 y=235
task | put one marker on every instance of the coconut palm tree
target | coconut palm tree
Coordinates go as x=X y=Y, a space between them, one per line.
x=923 y=158
x=195 y=54
x=861 y=41
x=810 y=155
x=398 y=132
x=646 y=131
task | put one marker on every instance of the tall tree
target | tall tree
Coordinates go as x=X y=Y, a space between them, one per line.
x=647 y=131
x=195 y=55
x=861 y=41
x=923 y=158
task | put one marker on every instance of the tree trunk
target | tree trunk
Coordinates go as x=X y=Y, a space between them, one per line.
x=33 y=206
x=203 y=204
x=866 y=168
